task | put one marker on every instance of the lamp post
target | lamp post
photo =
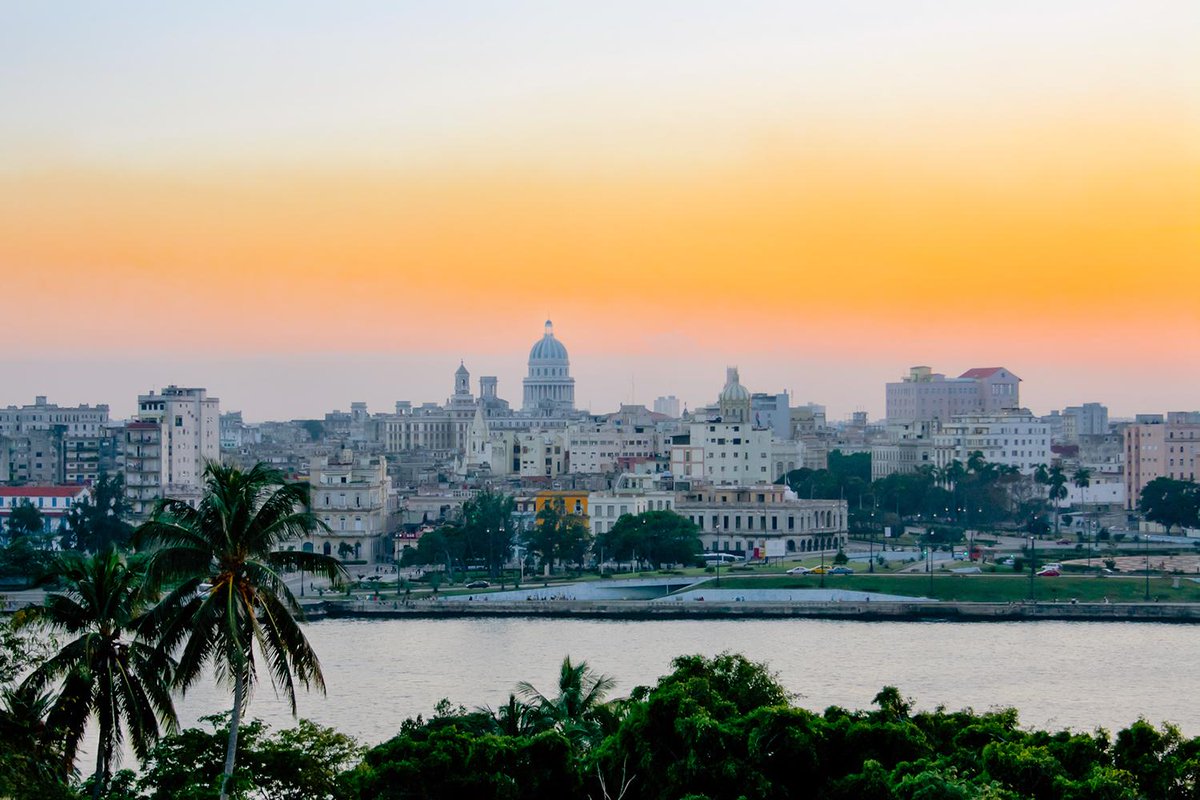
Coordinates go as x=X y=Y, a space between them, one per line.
x=929 y=555
x=1146 y=550
x=822 y=562
x=717 y=550
x=871 y=563
x=1032 y=564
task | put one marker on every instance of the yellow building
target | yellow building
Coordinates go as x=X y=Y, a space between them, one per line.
x=574 y=502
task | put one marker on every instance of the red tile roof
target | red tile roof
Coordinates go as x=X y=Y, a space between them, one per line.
x=41 y=491
x=981 y=372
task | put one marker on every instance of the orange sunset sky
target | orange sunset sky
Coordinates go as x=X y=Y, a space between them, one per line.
x=304 y=204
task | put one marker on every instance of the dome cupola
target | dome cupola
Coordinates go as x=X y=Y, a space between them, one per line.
x=548 y=348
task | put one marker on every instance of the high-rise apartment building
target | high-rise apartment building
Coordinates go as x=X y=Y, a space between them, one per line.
x=176 y=433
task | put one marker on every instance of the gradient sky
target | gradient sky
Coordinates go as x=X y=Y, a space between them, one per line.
x=303 y=204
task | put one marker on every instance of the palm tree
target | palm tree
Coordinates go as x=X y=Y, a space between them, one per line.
x=579 y=711
x=232 y=604
x=514 y=718
x=1057 y=480
x=108 y=669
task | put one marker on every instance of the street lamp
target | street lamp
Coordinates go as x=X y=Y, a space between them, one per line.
x=1032 y=564
x=822 y=562
x=717 y=550
x=929 y=558
x=1146 y=550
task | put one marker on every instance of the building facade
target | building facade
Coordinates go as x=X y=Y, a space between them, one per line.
x=350 y=495
x=926 y=395
x=742 y=520
x=1011 y=438
x=1161 y=448
x=176 y=434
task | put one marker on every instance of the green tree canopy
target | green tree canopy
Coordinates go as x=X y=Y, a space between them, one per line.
x=558 y=536
x=26 y=520
x=655 y=537
x=1172 y=503
x=99 y=521
x=107 y=669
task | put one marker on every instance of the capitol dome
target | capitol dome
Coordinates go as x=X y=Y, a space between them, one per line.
x=549 y=386
x=547 y=348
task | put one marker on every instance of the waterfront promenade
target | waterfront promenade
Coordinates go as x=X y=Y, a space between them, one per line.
x=866 y=611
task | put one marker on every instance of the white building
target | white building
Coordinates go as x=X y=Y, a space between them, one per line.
x=166 y=448
x=668 y=406
x=543 y=454
x=1089 y=419
x=908 y=447
x=350 y=495
x=744 y=519
x=602 y=448
x=732 y=450
x=631 y=494
x=1014 y=438
x=54 y=503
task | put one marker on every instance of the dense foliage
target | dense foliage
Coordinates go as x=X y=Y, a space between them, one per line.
x=652 y=537
x=713 y=729
x=1171 y=503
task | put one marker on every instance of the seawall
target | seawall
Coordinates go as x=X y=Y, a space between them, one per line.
x=857 y=611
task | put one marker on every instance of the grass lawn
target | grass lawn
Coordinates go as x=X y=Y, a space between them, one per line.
x=985 y=588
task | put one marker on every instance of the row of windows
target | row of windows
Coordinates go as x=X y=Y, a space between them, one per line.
x=40 y=502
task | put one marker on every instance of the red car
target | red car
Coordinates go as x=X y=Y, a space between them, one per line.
x=1048 y=572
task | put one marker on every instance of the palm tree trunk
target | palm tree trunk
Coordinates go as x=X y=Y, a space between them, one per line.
x=101 y=771
x=239 y=692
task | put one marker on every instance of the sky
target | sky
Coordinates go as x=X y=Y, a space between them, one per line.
x=303 y=204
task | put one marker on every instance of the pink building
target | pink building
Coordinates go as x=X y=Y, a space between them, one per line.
x=1169 y=449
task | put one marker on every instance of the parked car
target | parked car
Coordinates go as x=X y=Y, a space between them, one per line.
x=799 y=571
x=818 y=570
x=841 y=571
x=478 y=585
x=1048 y=572
x=1063 y=541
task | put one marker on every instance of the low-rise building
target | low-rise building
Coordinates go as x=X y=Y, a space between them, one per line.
x=744 y=519
x=53 y=502
x=632 y=494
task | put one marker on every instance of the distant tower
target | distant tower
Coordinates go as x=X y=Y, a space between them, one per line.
x=549 y=385
x=734 y=402
x=462 y=381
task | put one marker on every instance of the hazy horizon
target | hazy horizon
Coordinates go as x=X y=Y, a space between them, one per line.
x=306 y=386
x=345 y=204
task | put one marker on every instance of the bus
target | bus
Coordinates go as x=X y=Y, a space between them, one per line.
x=723 y=558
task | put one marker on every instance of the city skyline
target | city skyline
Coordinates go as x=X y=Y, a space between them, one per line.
x=824 y=196
x=287 y=391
